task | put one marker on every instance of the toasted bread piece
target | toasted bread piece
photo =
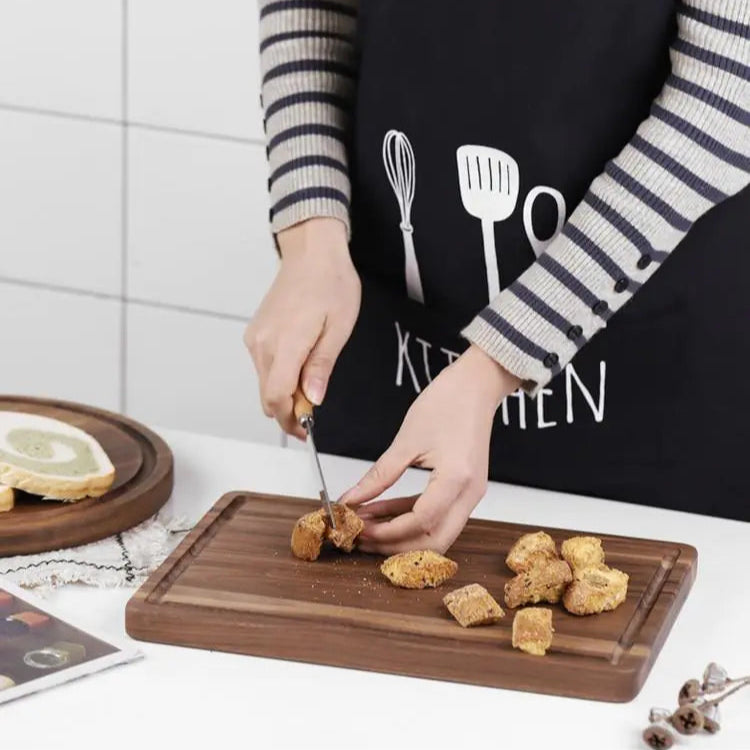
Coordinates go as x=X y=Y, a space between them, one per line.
x=307 y=536
x=419 y=569
x=348 y=527
x=545 y=582
x=50 y=458
x=532 y=630
x=7 y=498
x=582 y=552
x=529 y=549
x=314 y=528
x=473 y=605
x=596 y=589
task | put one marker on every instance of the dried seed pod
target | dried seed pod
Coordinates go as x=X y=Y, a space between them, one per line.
x=658 y=737
x=711 y=726
x=659 y=714
x=689 y=692
x=688 y=719
x=715 y=678
x=710 y=710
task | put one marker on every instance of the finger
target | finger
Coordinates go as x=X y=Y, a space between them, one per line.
x=392 y=507
x=425 y=517
x=261 y=360
x=282 y=381
x=381 y=475
x=316 y=372
x=439 y=541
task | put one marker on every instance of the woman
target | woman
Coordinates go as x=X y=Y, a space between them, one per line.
x=518 y=172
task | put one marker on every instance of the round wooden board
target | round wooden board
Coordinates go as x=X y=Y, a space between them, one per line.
x=143 y=483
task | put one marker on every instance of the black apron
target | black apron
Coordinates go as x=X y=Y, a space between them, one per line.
x=654 y=409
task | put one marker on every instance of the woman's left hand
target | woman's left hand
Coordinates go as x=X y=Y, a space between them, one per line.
x=447 y=429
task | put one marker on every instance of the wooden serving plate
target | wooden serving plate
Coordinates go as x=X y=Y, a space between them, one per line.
x=233 y=585
x=143 y=483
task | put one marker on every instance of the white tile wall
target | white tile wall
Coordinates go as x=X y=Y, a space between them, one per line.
x=192 y=371
x=194 y=64
x=62 y=55
x=186 y=221
x=60 y=196
x=198 y=223
x=59 y=345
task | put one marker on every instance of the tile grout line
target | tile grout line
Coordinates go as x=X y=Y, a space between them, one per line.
x=25 y=109
x=47 y=287
x=124 y=214
x=174 y=130
x=151 y=127
x=44 y=286
x=188 y=310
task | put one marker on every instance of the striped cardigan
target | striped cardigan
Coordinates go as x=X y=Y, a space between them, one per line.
x=692 y=153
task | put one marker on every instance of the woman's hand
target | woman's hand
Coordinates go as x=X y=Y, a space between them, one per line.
x=448 y=430
x=305 y=318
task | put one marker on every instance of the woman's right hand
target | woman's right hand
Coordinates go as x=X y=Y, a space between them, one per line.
x=305 y=319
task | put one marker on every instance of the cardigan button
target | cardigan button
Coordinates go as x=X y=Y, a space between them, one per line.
x=600 y=307
x=551 y=360
x=621 y=285
x=574 y=332
x=644 y=262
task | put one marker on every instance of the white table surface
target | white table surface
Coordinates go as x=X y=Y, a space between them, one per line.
x=188 y=698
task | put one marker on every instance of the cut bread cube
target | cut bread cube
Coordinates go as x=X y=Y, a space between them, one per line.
x=348 y=527
x=596 y=589
x=307 y=536
x=544 y=582
x=473 y=605
x=582 y=552
x=418 y=569
x=529 y=550
x=532 y=630
x=314 y=528
x=7 y=498
x=51 y=458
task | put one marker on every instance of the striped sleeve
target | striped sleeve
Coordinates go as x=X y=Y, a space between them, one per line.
x=307 y=68
x=692 y=153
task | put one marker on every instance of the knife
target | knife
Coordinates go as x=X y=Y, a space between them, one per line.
x=303 y=412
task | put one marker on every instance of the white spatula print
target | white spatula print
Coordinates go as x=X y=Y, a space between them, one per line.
x=489 y=182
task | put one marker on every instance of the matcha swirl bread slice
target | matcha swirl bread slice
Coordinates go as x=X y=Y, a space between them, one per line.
x=51 y=458
x=7 y=498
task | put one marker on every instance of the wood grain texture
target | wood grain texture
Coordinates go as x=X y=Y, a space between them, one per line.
x=143 y=483
x=233 y=585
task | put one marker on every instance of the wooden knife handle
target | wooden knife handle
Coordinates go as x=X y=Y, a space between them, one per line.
x=302 y=407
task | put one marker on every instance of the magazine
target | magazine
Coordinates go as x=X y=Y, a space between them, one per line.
x=39 y=650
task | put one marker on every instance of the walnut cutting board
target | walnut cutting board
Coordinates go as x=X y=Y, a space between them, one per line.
x=233 y=585
x=143 y=483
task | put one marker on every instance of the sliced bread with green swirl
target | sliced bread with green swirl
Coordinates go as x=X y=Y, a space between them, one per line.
x=7 y=498
x=51 y=458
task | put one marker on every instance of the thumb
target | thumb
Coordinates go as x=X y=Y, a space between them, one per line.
x=382 y=474
x=318 y=367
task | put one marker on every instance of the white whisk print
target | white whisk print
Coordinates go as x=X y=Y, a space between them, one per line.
x=398 y=158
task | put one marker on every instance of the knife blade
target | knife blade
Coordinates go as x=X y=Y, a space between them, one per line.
x=303 y=413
